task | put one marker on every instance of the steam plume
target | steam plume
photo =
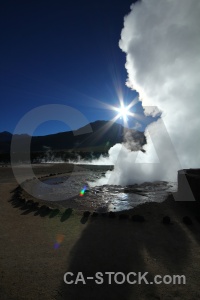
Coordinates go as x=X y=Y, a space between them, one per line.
x=161 y=39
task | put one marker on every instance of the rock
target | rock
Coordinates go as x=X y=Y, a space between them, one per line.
x=54 y=212
x=29 y=203
x=44 y=210
x=22 y=200
x=86 y=214
x=35 y=204
x=189 y=184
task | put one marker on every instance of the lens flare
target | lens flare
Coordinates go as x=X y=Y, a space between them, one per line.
x=59 y=240
x=82 y=192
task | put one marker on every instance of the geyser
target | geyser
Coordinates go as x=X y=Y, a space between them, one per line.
x=162 y=44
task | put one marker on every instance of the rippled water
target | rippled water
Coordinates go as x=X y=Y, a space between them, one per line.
x=65 y=190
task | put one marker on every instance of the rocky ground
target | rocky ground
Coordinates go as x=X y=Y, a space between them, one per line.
x=38 y=246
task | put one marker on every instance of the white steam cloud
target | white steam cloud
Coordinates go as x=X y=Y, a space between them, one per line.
x=161 y=39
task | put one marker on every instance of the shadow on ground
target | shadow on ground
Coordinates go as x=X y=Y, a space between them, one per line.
x=123 y=246
x=66 y=215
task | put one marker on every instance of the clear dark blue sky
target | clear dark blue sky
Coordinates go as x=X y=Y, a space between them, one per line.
x=61 y=52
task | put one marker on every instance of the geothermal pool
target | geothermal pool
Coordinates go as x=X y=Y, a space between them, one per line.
x=73 y=190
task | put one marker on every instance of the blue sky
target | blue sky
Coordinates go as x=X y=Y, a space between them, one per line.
x=62 y=52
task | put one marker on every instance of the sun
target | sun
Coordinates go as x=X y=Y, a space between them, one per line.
x=123 y=111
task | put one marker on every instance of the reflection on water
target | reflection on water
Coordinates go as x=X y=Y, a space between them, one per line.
x=101 y=198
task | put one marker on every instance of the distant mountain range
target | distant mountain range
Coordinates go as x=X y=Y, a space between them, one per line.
x=103 y=134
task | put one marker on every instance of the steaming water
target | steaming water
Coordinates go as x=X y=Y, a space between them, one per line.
x=99 y=198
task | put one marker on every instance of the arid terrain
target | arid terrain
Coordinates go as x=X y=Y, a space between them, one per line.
x=37 y=248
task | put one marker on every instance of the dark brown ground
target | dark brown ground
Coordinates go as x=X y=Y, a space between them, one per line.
x=30 y=267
